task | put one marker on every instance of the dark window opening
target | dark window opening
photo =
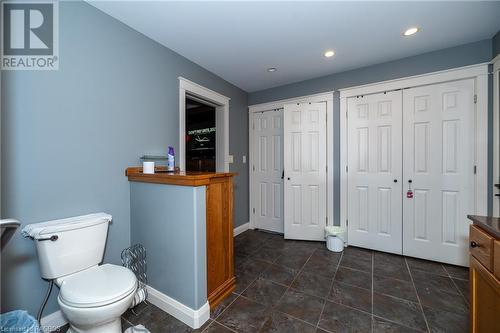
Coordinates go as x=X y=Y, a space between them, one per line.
x=200 y=136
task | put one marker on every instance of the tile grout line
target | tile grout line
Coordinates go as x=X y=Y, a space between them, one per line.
x=290 y=287
x=224 y=310
x=418 y=297
x=371 y=314
x=239 y=295
x=330 y=290
x=397 y=323
x=214 y=321
x=460 y=291
x=448 y=275
x=295 y=278
x=456 y=286
x=373 y=289
x=259 y=275
x=353 y=308
x=331 y=287
x=299 y=271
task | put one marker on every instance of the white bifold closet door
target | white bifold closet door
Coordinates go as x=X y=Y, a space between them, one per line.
x=374 y=175
x=438 y=158
x=420 y=140
x=305 y=171
x=268 y=170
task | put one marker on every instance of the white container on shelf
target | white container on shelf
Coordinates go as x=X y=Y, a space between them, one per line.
x=148 y=167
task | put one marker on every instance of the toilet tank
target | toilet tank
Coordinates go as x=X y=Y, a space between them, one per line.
x=69 y=245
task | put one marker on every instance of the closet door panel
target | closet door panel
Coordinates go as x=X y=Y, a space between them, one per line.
x=305 y=171
x=438 y=161
x=374 y=175
x=267 y=170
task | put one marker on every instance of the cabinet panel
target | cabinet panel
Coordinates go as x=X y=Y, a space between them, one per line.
x=481 y=246
x=496 y=259
x=485 y=299
x=220 y=262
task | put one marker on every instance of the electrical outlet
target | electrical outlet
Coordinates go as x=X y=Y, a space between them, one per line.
x=244 y=159
x=230 y=158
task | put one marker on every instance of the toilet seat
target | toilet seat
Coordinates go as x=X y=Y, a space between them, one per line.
x=97 y=286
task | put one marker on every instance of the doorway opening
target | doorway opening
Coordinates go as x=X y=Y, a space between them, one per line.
x=200 y=136
x=211 y=110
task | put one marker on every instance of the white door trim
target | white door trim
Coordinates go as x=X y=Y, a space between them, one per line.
x=479 y=73
x=417 y=80
x=496 y=134
x=322 y=97
x=222 y=120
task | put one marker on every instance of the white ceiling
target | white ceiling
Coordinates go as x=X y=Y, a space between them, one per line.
x=239 y=40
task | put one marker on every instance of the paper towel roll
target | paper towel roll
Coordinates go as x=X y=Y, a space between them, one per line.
x=148 y=167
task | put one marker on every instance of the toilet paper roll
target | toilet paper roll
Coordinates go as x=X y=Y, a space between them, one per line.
x=139 y=297
x=148 y=167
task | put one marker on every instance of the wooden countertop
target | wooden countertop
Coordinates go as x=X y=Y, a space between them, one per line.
x=487 y=223
x=161 y=176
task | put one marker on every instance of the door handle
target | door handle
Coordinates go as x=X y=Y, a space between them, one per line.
x=395 y=180
x=409 y=181
x=283 y=174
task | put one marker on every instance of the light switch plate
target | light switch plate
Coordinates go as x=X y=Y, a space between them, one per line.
x=230 y=158
x=244 y=159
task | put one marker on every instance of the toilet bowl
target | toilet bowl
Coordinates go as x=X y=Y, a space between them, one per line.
x=92 y=297
x=94 y=300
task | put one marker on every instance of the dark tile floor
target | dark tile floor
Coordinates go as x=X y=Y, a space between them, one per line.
x=294 y=286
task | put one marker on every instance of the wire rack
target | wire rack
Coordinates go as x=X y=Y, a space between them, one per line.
x=134 y=258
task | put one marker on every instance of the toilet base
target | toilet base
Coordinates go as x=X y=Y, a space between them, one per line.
x=99 y=319
x=114 y=326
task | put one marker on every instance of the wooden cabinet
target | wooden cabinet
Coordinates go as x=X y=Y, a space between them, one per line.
x=220 y=263
x=484 y=285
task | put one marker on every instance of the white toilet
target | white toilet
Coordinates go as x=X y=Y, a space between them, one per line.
x=92 y=297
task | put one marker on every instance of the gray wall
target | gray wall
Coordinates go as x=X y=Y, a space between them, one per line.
x=68 y=135
x=496 y=44
x=171 y=222
x=463 y=55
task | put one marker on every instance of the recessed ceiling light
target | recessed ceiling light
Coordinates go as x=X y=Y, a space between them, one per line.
x=329 y=53
x=271 y=69
x=410 y=31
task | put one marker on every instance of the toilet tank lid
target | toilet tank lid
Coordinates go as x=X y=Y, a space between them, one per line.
x=36 y=230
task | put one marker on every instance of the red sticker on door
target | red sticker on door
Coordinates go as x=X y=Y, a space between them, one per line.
x=409 y=194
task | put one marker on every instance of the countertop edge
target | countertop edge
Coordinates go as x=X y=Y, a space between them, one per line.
x=135 y=174
x=485 y=223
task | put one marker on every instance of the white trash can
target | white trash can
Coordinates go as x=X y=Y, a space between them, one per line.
x=335 y=238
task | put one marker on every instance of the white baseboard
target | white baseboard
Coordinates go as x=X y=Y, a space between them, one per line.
x=193 y=318
x=53 y=321
x=242 y=228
